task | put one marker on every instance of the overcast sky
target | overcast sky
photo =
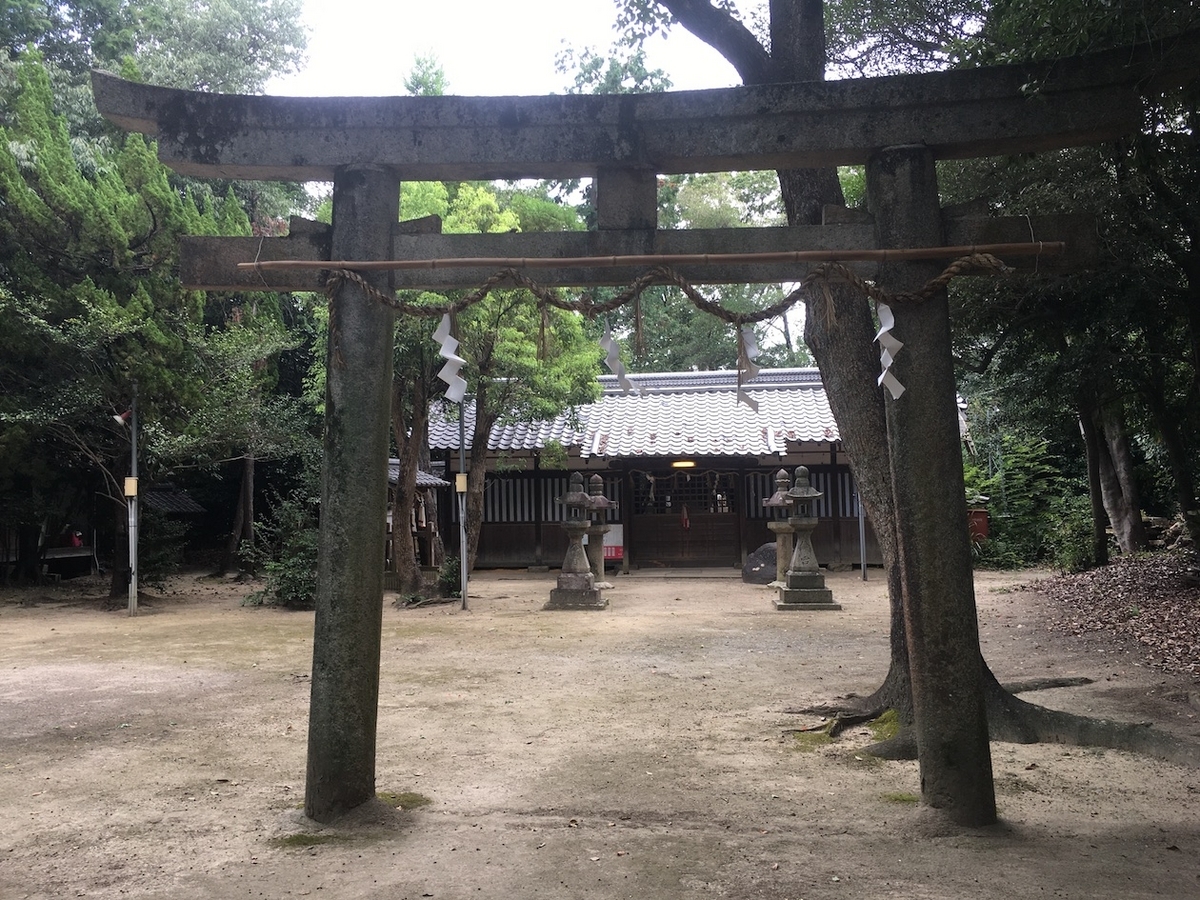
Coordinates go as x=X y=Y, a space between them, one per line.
x=486 y=47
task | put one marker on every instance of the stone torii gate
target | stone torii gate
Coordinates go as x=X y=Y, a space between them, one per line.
x=898 y=127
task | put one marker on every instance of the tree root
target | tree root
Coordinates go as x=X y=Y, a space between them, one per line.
x=410 y=602
x=1013 y=720
x=836 y=724
x=1045 y=684
x=1017 y=721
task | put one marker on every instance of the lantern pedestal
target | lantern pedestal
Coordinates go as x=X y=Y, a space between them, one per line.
x=576 y=585
x=804 y=585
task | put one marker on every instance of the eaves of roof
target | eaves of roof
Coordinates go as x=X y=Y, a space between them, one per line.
x=424 y=479
x=675 y=414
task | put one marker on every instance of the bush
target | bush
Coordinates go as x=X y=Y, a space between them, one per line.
x=1036 y=516
x=161 y=542
x=287 y=554
x=449 y=580
x=1069 y=539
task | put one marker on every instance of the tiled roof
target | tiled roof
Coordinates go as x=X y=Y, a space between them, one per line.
x=679 y=414
x=424 y=479
x=166 y=498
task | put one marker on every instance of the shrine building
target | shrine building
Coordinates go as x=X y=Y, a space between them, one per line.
x=687 y=462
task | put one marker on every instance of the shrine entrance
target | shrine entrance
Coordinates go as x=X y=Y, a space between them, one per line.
x=897 y=127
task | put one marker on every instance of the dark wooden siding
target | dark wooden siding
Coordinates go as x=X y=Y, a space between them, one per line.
x=725 y=518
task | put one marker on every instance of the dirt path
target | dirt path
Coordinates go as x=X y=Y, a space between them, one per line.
x=636 y=752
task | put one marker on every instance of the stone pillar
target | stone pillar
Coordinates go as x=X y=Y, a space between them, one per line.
x=783 y=529
x=350 y=560
x=783 y=549
x=598 y=506
x=934 y=547
x=595 y=549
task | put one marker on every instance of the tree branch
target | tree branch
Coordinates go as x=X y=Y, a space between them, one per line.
x=727 y=35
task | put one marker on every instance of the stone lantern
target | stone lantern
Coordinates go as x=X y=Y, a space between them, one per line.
x=804 y=585
x=598 y=527
x=576 y=585
x=782 y=527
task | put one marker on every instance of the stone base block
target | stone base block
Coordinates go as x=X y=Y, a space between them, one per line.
x=806 y=598
x=806 y=581
x=574 y=598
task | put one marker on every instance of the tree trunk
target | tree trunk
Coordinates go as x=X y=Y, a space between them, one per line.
x=248 y=469
x=28 y=565
x=1117 y=484
x=1180 y=461
x=838 y=327
x=1166 y=420
x=934 y=548
x=235 y=535
x=839 y=332
x=410 y=432
x=437 y=549
x=118 y=586
x=242 y=530
x=477 y=477
x=1091 y=443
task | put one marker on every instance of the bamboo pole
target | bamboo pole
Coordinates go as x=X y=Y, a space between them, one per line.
x=1034 y=248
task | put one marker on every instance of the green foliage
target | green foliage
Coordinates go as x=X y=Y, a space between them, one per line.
x=553 y=456
x=877 y=37
x=232 y=46
x=1018 y=32
x=537 y=212
x=449 y=577
x=89 y=300
x=723 y=200
x=1025 y=493
x=854 y=185
x=475 y=209
x=287 y=552
x=426 y=79
x=161 y=541
x=1069 y=538
x=623 y=71
x=90 y=303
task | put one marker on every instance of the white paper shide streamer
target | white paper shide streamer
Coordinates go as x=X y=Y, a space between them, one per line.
x=748 y=370
x=612 y=359
x=448 y=346
x=889 y=346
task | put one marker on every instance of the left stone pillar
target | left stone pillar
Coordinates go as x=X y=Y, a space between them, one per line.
x=350 y=560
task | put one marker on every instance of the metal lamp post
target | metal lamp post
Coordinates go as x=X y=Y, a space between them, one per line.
x=131 y=500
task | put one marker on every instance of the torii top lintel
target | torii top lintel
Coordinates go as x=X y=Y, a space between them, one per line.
x=959 y=114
